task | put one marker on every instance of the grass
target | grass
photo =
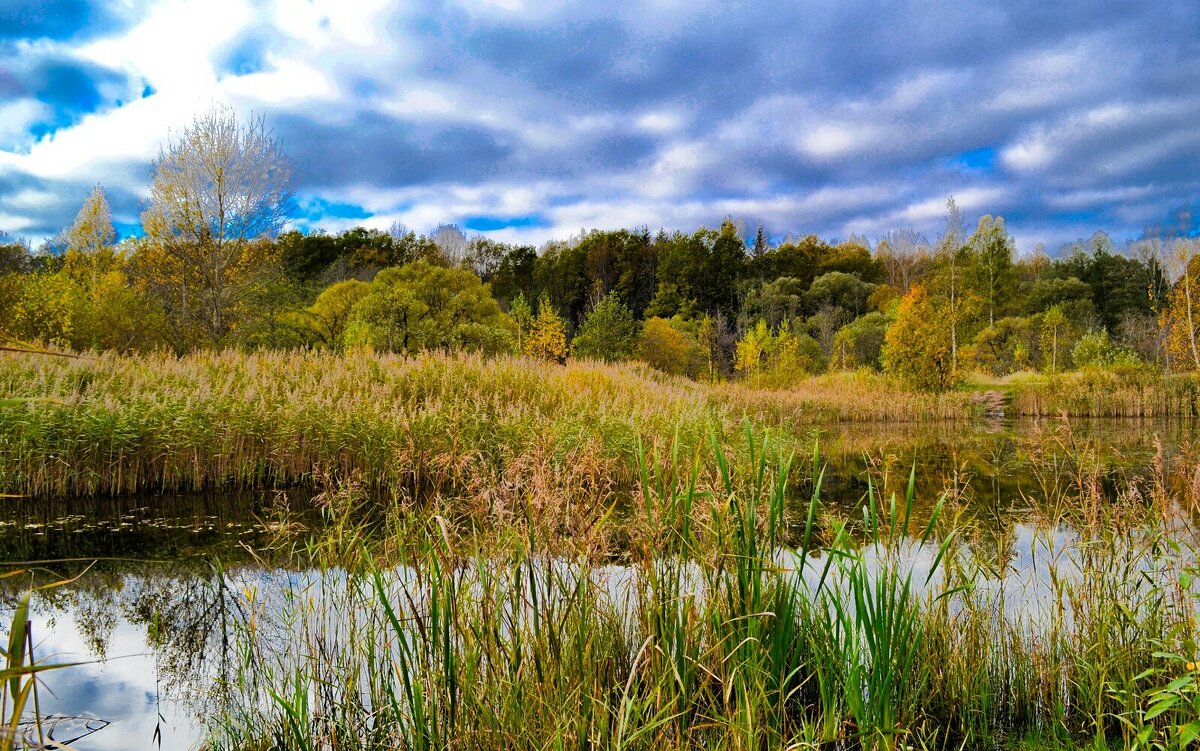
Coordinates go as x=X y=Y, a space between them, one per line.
x=487 y=430
x=743 y=619
x=1103 y=393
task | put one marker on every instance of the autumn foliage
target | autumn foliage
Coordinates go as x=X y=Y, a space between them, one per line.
x=916 y=348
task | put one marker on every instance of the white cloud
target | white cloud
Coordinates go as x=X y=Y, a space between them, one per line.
x=838 y=139
x=287 y=82
x=674 y=171
x=16 y=117
x=1034 y=152
x=660 y=122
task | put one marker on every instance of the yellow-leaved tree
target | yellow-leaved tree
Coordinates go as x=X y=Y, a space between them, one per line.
x=90 y=253
x=219 y=188
x=917 y=348
x=547 y=337
x=1181 y=317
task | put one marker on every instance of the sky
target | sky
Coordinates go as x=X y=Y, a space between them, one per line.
x=530 y=121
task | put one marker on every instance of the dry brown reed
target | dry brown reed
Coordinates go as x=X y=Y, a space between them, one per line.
x=505 y=432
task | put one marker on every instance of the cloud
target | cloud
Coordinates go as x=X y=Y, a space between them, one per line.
x=527 y=120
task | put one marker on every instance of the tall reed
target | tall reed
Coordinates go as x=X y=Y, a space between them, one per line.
x=734 y=622
x=484 y=430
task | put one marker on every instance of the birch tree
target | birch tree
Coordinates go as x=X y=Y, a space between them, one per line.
x=219 y=186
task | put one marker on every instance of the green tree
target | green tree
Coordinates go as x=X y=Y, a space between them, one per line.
x=860 y=342
x=916 y=348
x=1008 y=345
x=838 y=289
x=777 y=302
x=608 y=333
x=1120 y=286
x=991 y=274
x=560 y=273
x=522 y=316
x=796 y=259
x=760 y=242
x=420 y=306
x=14 y=255
x=324 y=322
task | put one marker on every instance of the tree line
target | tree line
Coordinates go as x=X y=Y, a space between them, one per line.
x=215 y=267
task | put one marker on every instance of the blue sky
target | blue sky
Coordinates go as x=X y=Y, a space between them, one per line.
x=533 y=120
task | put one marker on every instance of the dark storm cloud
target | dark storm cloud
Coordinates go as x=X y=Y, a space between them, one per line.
x=378 y=150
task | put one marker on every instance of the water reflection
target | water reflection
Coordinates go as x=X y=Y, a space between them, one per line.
x=157 y=617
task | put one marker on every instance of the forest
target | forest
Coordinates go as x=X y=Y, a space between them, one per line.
x=713 y=304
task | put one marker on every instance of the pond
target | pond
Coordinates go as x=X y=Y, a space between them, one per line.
x=162 y=586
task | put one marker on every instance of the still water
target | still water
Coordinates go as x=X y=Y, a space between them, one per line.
x=161 y=580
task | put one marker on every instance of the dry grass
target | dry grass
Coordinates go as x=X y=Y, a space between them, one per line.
x=1102 y=393
x=498 y=431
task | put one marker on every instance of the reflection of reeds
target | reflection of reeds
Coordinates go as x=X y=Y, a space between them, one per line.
x=737 y=623
x=19 y=679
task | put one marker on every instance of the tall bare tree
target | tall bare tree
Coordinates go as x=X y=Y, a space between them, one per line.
x=221 y=184
x=904 y=253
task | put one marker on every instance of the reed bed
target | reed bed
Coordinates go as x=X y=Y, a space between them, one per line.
x=738 y=623
x=1102 y=393
x=486 y=430
x=860 y=396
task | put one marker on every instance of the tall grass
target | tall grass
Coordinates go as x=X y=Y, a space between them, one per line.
x=489 y=430
x=736 y=622
x=1104 y=393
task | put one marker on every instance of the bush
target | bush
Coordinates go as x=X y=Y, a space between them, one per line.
x=1095 y=350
